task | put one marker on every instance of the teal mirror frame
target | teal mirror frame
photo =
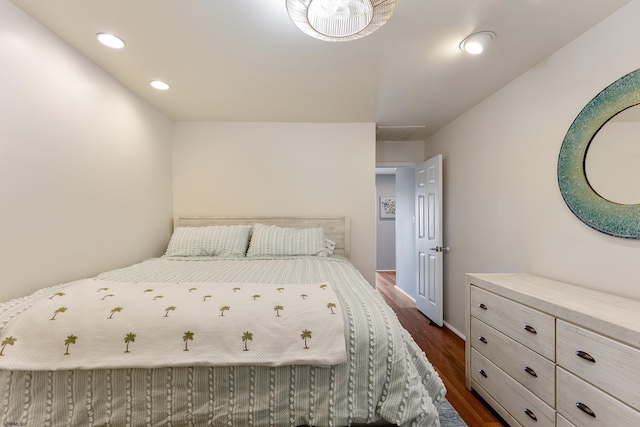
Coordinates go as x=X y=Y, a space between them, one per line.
x=597 y=212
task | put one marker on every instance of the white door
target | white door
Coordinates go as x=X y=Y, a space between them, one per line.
x=429 y=238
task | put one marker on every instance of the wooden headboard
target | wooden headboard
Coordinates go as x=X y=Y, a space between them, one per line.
x=335 y=228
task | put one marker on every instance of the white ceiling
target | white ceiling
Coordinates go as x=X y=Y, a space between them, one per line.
x=244 y=60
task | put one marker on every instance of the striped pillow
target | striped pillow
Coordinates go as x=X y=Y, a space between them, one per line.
x=280 y=241
x=219 y=240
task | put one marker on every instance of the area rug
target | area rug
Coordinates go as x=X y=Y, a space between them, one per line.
x=449 y=417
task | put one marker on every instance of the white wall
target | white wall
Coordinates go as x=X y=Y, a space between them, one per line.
x=399 y=153
x=406 y=256
x=503 y=209
x=280 y=169
x=385 y=228
x=85 y=165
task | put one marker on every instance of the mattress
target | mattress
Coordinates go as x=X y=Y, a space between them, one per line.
x=386 y=375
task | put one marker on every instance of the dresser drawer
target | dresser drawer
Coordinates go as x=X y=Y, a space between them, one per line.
x=615 y=367
x=527 y=367
x=523 y=405
x=562 y=422
x=529 y=327
x=572 y=392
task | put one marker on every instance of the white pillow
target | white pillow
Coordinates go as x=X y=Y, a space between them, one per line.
x=281 y=241
x=218 y=240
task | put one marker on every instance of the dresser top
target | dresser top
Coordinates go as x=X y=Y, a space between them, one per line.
x=610 y=315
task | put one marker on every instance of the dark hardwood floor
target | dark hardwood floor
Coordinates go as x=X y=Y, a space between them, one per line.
x=445 y=351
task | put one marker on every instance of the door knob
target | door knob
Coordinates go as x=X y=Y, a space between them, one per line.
x=440 y=249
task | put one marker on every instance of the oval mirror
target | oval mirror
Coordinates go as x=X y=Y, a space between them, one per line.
x=612 y=160
x=598 y=209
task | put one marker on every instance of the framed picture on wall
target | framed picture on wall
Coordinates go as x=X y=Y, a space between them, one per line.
x=387 y=207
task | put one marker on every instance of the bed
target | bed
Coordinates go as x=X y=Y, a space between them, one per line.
x=311 y=342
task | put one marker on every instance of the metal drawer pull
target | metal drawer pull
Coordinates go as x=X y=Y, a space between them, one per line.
x=585 y=356
x=483 y=339
x=530 y=329
x=530 y=414
x=482 y=306
x=483 y=373
x=584 y=408
x=530 y=371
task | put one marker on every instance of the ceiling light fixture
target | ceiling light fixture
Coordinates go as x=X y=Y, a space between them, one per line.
x=340 y=20
x=110 y=40
x=159 y=84
x=476 y=43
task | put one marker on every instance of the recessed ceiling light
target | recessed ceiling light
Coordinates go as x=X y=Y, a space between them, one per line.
x=110 y=40
x=160 y=85
x=476 y=43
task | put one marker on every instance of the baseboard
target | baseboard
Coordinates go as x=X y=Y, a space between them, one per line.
x=404 y=293
x=454 y=330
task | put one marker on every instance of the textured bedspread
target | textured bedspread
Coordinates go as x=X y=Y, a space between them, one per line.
x=386 y=375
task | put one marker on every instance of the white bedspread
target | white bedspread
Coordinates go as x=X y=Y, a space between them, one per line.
x=104 y=324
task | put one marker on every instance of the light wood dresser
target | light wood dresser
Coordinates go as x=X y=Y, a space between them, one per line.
x=546 y=353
